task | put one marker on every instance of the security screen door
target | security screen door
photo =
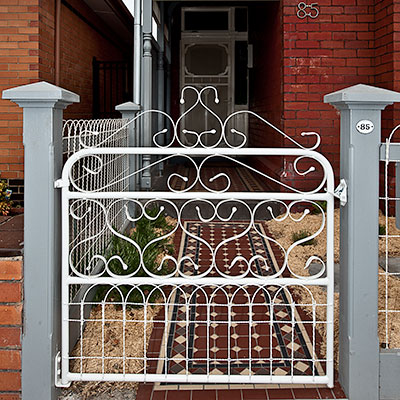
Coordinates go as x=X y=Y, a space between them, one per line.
x=214 y=53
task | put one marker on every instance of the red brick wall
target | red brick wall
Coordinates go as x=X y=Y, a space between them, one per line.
x=320 y=56
x=79 y=44
x=81 y=40
x=47 y=41
x=10 y=329
x=317 y=56
x=19 y=30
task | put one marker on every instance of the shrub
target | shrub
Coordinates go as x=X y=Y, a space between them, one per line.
x=296 y=236
x=316 y=209
x=5 y=198
x=382 y=229
x=144 y=232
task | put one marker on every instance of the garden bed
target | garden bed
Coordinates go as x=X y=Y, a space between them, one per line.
x=283 y=232
x=117 y=341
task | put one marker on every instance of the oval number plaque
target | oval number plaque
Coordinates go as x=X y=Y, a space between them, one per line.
x=365 y=126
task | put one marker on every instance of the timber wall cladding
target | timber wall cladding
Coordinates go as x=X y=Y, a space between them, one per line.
x=10 y=329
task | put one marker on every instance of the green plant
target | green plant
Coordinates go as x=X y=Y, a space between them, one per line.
x=5 y=198
x=316 y=209
x=296 y=236
x=382 y=229
x=144 y=232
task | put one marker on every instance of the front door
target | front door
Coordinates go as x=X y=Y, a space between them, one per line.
x=214 y=52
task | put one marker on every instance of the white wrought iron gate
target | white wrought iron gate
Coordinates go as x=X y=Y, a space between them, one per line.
x=210 y=295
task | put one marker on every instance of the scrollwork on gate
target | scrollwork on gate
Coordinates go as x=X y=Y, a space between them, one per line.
x=193 y=139
x=206 y=211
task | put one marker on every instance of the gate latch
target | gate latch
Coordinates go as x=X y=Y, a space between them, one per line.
x=59 y=183
x=57 y=373
x=341 y=192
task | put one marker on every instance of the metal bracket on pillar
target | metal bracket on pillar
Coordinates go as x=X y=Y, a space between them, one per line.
x=341 y=192
x=57 y=373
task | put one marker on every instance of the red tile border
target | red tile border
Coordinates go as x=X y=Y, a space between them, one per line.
x=229 y=394
x=326 y=393
x=254 y=394
x=305 y=393
x=339 y=394
x=159 y=395
x=144 y=391
x=178 y=395
x=204 y=395
x=280 y=394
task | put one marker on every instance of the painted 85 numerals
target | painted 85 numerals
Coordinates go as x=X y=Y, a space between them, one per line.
x=307 y=10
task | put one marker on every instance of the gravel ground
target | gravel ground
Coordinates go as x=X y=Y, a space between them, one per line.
x=114 y=394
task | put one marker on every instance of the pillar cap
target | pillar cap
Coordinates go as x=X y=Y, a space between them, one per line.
x=128 y=106
x=40 y=92
x=362 y=94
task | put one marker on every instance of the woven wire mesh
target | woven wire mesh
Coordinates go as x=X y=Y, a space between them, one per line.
x=78 y=135
x=389 y=245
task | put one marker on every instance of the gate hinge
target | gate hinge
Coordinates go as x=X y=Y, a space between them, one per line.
x=341 y=192
x=59 y=183
x=57 y=373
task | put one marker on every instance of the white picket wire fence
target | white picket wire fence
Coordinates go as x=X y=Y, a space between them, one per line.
x=96 y=133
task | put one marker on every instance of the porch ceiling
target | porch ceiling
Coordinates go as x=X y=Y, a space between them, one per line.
x=115 y=14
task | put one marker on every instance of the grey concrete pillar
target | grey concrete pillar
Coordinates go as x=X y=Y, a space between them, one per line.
x=360 y=136
x=129 y=111
x=43 y=106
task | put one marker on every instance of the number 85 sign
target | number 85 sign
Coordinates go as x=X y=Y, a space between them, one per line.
x=306 y=10
x=365 y=126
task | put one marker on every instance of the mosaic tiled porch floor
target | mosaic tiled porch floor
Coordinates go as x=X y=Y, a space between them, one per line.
x=282 y=348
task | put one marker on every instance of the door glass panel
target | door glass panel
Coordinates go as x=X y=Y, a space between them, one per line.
x=241 y=19
x=206 y=59
x=206 y=20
